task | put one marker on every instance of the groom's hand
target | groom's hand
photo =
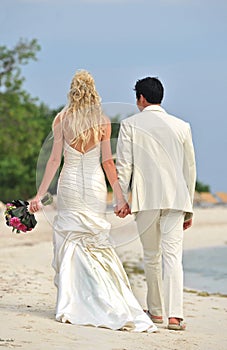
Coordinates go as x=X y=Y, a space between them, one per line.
x=122 y=211
x=187 y=224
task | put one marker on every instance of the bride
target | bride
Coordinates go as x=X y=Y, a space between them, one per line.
x=92 y=286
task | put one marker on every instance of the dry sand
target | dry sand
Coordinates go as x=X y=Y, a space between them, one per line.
x=27 y=293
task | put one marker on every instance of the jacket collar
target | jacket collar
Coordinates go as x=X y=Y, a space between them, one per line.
x=154 y=108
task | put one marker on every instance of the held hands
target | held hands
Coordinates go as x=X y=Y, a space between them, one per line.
x=122 y=209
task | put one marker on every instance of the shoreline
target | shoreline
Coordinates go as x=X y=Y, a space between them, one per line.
x=204 y=293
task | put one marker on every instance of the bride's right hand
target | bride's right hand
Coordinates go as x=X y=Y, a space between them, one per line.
x=34 y=204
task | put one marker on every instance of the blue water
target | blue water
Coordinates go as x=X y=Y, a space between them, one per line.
x=206 y=269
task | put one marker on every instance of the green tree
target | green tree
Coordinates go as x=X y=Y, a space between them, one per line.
x=12 y=59
x=23 y=128
x=115 y=127
x=200 y=187
x=24 y=124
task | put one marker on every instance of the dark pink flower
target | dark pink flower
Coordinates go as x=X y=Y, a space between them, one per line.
x=22 y=227
x=14 y=222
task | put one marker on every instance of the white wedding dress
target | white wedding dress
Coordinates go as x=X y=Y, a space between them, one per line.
x=93 y=288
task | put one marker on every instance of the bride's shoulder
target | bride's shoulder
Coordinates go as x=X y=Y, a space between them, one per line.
x=106 y=122
x=106 y=127
x=59 y=118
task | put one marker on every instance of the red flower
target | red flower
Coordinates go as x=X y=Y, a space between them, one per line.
x=22 y=227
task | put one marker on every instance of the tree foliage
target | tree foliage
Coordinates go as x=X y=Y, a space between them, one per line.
x=23 y=129
x=115 y=127
x=201 y=187
x=24 y=124
x=11 y=60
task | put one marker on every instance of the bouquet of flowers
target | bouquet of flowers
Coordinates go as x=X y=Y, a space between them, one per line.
x=18 y=217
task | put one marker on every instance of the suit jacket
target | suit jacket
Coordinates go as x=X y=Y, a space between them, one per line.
x=155 y=156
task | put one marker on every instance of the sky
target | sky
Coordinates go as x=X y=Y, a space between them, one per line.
x=182 y=42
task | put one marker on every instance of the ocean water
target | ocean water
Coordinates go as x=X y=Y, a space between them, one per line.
x=206 y=269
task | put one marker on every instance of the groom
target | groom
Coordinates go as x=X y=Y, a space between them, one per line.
x=155 y=154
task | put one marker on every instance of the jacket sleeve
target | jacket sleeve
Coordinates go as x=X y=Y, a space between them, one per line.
x=124 y=158
x=189 y=167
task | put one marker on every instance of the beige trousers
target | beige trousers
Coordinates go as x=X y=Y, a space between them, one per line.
x=161 y=234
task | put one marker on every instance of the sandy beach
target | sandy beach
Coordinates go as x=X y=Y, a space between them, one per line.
x=27 y=293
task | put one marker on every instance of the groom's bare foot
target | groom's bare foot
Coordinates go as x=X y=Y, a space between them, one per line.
x=176 y=324
x=174 y=320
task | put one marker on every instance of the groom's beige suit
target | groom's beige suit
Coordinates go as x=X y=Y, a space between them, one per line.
x=155 y=157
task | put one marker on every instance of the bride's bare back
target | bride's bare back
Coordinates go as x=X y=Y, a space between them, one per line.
x=89 y=146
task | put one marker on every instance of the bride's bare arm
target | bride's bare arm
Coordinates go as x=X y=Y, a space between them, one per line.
x=52 y=164
x=109 y=167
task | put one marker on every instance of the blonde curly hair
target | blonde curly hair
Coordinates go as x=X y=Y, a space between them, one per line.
x=83 y=118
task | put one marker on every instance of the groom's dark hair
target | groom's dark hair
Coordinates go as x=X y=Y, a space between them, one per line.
x=151 y=88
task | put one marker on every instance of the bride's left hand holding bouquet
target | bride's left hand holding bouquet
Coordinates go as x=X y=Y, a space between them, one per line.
x=19 y=217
